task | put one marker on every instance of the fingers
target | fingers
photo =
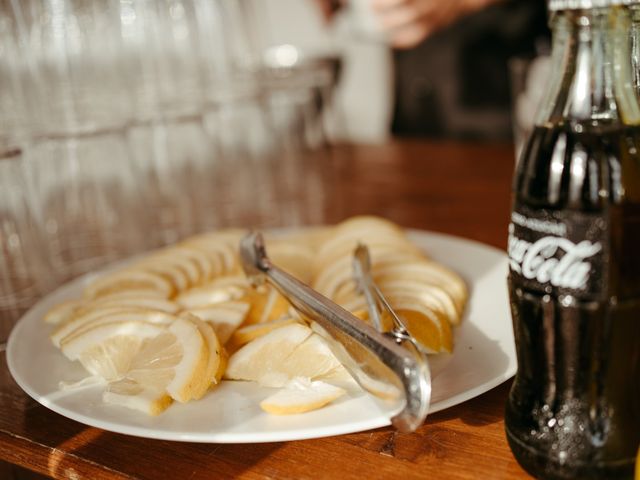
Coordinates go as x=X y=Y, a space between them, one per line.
x=328 y=8
x=402 y=14
x=407 y=22
x=409 y=36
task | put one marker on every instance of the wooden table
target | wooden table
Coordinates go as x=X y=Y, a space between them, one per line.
x=459 y=189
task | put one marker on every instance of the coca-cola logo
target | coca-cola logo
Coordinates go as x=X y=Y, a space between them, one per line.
x=552 y=260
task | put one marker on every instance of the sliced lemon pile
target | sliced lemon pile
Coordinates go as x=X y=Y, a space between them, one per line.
x=301 y=395
x=162 y=328
x=430 y=297
x=147 y=365
x=174 y=269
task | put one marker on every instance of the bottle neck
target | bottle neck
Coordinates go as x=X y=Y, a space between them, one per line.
x=591 y=79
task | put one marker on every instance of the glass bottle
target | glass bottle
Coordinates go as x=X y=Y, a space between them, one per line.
x=574 y=252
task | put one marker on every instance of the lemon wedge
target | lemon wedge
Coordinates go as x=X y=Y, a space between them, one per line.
x=164 y=368
x=262 y=360
x=175 y=358
x=129 y=279
x=249 y=333
x=61 y=312
x=222 y=289
x=130 y=394
x=294 y=258
x=282 y=355
x=108 y=314
x=224 y=317
x=301 y=395
x=106 y=350
x=266 y=304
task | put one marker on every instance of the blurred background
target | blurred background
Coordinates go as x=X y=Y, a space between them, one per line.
x=128 y=125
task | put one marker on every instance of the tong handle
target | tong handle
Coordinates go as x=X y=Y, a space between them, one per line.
x=377 y=302
x=376 y=362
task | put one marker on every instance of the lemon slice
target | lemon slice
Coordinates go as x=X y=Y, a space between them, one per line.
x=433 y=332
x=301 y=395
x=282 y=355
x=373 y=231
x=222 y=289
x=210 y=265
x=267 y=304
x=309 y=237
x=311 y=359
x=183 y=267
x=130 y=394
x=172 y=272
x=70 y=315
x=107 y=314
x=335 y=279
x=196 y=263
x=175 y=358
x=191 y=374
x=130 y=293
x=294 y=258
x=176 y=361
x=220 y=247
x=429 y=326
x=213 y=344
x=225 y=317
x=263 y=359
x=129 y=279
x=177 y=364
x=106 y=349
x=61 y=312
x=248 y=333
x=137 y=300
x=431 y=296
x=429 y=273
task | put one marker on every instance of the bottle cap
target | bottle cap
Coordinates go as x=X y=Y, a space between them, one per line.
x=555 y=5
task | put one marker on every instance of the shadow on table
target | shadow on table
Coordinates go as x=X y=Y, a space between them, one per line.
x=86 y=452
x=64 y=448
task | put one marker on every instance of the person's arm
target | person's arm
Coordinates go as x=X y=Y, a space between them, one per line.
x=408 y=22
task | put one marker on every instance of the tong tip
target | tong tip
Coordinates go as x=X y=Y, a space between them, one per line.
x=253 y=256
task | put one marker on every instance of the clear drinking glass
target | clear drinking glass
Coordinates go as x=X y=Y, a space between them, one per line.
x=89 y=201
x=175 y=163
x=71 y=66
x=146 y=121
x=25 y=273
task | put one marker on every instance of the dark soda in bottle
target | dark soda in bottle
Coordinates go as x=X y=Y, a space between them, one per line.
x=574 y=250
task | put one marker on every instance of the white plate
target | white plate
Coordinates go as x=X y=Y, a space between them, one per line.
x=484 y=356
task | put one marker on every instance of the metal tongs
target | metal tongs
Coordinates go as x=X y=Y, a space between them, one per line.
x=376 y=361
x=377 y=305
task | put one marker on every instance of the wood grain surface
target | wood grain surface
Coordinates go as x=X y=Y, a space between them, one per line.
x=460 y=189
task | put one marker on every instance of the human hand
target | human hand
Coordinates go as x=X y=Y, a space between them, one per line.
x=407 y=22
x=328 y=8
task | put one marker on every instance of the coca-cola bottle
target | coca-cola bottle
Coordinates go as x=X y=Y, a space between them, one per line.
x=574 y=251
